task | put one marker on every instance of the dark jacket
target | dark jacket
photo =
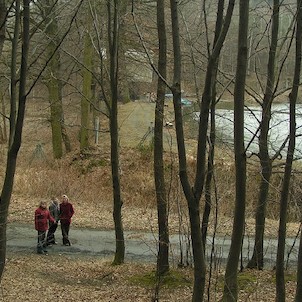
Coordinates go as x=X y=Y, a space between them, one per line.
x=41 y=219
x=54 y=210
x=66 y=212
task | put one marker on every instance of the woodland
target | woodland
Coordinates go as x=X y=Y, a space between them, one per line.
x=92 y=106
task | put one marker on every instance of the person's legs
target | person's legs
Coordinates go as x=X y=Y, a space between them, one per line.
x=51 y=234
x=41 y=242
x=65 y=232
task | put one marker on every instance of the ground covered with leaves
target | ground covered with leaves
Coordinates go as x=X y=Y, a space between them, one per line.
x=38 y=278
x=86 y=179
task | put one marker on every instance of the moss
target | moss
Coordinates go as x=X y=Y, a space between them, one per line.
x=173 y=279
x=288 y=277
x=247 y=281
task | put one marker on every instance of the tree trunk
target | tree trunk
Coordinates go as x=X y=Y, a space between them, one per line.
x=117 y=200
x=193 y=202
x=3 y=16
x=162 y=212
x=53 y=79
x=15 y=140
x=230 y=292
x=265 y=161
x=212 y=138
x=87 y=81
x=280 y=282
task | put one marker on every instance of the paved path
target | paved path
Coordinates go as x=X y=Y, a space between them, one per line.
x=139 y=246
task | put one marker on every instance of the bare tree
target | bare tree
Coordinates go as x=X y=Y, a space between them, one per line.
x=162 y=211
x=86 y=98
x=113 y=29
x=3 y=15
x=280 y=282
x=230 y=292
x=16 y=134
x=209 y=100
x=298 y=296
x=49 y=14
x=265 y=160
x=193 y=194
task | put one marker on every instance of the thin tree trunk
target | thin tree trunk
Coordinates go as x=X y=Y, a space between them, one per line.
x=212 y=138
x=298 y=296
x=117 y=200
x=280 y=282
x=162 y=211
x=15 y=141
x=265 y=161
x=3 y=17
x=230 y=292
x=193 y=202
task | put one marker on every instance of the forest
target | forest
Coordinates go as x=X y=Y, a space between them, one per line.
x=183 y=113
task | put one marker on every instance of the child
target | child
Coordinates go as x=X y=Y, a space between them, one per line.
x=42 y=216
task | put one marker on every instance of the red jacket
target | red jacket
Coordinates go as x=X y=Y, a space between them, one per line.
x=41 y=219
x=66 y=212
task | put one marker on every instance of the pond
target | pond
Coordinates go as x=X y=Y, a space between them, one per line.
x=279 y=128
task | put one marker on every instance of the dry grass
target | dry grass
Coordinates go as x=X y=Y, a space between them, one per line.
x=86 y=180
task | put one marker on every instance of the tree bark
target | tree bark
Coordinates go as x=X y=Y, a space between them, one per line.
x=280 y=282
x=15 y=140
x=53 y=78
x=230 y=292
x=212 y=138
x=86 y=99
x=117 y=200
x=265 y=160
x=162 y=211
x=192 y=200
x=3 y=17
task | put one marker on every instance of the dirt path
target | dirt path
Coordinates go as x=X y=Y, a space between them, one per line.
x=140 y=246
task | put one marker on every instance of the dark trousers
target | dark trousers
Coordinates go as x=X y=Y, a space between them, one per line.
x=41 y=246
x=65 y=232
x=51 y=233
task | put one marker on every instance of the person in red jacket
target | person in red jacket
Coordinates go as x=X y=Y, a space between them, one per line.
x=42 y=216
x=66 y=212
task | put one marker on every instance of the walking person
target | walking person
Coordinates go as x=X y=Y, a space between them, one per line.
x=42 y=217
x=54 y=210
x=66 y=212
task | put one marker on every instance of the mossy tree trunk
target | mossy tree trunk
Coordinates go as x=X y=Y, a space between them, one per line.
x=230 y=292
x=53 y=80
x=86 y=99
x=53 y=77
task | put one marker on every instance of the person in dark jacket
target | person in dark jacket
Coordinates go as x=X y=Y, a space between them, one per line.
x=66 y=212
x=42 y=217
x=54 y=210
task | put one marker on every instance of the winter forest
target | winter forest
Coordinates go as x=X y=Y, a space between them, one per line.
x=188 y=108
